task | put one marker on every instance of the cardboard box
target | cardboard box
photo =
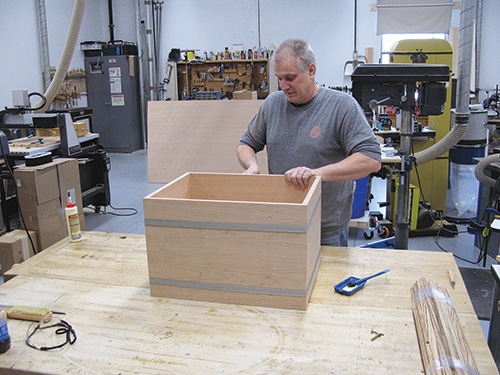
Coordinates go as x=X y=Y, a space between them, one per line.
x=234 y=238
x=47 y=220
x=245 y=94
x=43 y=192
x=15 y=247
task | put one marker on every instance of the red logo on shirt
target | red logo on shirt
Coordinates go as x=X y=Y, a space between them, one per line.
x=315 y=132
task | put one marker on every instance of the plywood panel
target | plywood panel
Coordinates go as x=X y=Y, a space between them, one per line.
x=225 y=212
x=197 y=136
x=232 y=187
x=234 y=198
x=239 y=258
x=271 y=188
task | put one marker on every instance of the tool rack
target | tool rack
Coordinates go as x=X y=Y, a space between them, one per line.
x=225 y=77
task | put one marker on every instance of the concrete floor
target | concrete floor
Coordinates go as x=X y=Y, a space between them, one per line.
x=128 y=179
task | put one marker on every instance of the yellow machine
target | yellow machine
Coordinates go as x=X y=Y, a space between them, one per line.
x=434 y=174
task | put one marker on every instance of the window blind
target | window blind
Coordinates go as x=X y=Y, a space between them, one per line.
x=413 y=16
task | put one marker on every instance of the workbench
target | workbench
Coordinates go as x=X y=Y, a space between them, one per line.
x=101 y=284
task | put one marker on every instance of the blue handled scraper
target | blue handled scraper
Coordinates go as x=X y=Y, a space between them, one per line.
x=352 y=284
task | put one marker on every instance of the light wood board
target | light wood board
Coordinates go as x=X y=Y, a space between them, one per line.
x=197 y=136
x=121 y=329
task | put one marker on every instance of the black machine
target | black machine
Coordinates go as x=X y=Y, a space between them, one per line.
x=405 y=87
x=94 y=164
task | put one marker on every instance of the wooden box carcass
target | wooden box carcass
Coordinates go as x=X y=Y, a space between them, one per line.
x=234 y=238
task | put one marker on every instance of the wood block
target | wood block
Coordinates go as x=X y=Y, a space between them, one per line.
x=234 y=238
x=197 y=136
x=80 y=129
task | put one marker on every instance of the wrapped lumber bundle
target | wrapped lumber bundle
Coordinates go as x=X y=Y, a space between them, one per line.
x=443 y=346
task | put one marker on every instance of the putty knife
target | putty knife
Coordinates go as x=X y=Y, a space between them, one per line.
x=352 y=284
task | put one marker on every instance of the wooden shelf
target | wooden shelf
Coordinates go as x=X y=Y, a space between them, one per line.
x=254 y=75
x=222 y=61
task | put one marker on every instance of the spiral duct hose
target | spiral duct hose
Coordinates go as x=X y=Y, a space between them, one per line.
x=67 y=55
x=444 y=145
x=481 y=166
x=467 y=17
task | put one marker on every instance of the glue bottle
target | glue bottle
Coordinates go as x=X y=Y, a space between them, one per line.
x=73 y=221
x=4 y=333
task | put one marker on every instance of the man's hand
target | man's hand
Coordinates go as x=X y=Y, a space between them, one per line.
x=253 y=169
x=248 y=160
x=300 y=176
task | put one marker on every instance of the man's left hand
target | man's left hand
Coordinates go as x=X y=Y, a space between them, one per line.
x=299 y=176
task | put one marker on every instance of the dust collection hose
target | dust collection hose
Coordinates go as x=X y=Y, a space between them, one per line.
x=481 y=166
x=467 y=17
x=67 y=55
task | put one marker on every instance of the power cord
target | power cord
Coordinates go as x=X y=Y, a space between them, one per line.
x=44 y=101
x=482 y=247
x=480 y=256
x=21 y=110
x=482 y=228
x=134 y=211
x=65 y=329
x=427 y=207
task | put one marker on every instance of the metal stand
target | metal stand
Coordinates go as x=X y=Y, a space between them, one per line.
x=494 y=331
x=402 y=209
x=397 y=85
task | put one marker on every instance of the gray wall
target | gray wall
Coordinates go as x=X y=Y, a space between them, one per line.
x=211 y=25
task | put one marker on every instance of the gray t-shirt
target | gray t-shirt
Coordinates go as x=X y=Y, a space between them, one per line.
x=324 y=131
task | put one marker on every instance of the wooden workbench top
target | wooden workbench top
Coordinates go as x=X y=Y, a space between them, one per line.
x=102 y=285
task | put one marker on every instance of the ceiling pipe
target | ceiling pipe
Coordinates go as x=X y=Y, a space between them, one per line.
x=140 y=58
x=44 y=42
x=111 y=24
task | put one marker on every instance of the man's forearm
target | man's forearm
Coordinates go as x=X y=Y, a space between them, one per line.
x=247 y=158
x=352 y=168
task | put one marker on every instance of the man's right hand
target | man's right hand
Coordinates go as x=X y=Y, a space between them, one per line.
x=253 y=169
x=248 y=160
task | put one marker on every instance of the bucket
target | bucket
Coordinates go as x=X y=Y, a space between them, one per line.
x=463 y=191
x=360 y=196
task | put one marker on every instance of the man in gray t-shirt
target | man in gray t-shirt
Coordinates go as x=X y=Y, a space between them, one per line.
x=312 y=131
